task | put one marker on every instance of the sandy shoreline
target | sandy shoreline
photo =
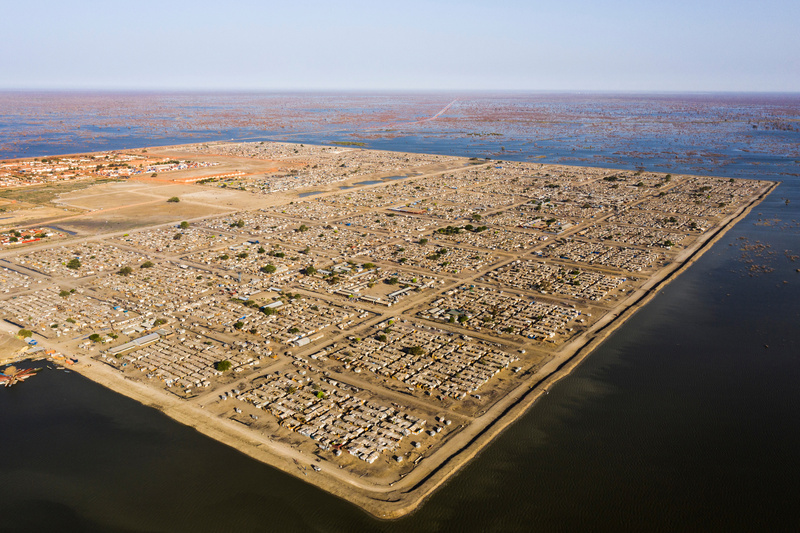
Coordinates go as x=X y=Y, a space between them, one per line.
x=404 y=496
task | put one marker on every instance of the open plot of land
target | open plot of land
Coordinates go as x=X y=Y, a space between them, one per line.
x=380 y=332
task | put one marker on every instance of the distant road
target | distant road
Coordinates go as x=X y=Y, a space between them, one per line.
x=372 y=128
x=444 y=110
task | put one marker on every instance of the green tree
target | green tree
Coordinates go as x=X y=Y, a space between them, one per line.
x=239 y=325
x=269 y=269
x=415 y=350
x=125 y=271
x=184 y=225
x=147 y=264
x=223 y=366
x=94 y=337
x=174 y=200
x=25 y=333
x=74 y=263
x=310 y=270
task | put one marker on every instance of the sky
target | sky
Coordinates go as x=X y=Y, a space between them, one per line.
x=449 y=45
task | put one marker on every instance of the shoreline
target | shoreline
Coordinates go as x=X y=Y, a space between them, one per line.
x=408 y=494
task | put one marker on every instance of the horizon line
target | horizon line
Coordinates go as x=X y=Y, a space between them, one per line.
x=395 y=91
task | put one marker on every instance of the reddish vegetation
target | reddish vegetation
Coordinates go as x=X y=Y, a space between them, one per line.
x=701 y=131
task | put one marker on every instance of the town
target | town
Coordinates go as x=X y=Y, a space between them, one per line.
x=371 y=311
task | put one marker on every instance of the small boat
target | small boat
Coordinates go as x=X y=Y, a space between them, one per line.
x=11 y=375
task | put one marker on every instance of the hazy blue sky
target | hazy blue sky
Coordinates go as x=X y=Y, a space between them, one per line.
x=666 y=45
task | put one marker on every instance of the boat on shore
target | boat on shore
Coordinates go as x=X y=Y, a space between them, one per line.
x=12 y=375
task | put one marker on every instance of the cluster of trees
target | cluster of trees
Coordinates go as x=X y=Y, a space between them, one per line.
x=438 y=254
x=455 y=230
